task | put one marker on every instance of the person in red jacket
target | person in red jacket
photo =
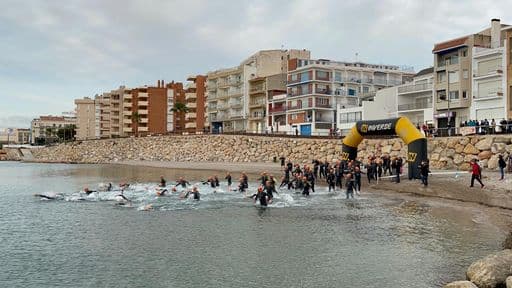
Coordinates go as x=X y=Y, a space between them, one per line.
x=476 y=173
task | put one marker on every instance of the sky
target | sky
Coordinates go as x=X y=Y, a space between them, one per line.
x=52 y=52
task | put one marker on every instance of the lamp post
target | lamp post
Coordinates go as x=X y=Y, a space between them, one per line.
x=448 y=97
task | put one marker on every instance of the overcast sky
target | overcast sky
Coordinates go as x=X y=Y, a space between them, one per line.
x=52 y=52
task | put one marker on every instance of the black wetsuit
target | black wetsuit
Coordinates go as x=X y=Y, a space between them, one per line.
x=306 y=187
x=109 y=187
x=350 y=188
x=262 y=196
x=89 y=192
x=163 y=182
x=228 y=178
x=424 y=170
x=331 y=181
x=197 y=196
x=216 y=181
x=45 y=196
x=183 y=183
x=357 y=180
x=269 y=189
x=311 y=180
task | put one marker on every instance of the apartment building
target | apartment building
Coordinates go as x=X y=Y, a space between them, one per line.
x=228 y=89
x=175 y=119
x=262 y=89
x=414 y=99
x=109 y=113
x=15 y=136
x=316 y=88
x=454 y=73
x=85 y=118
x=45 y=128
x=195 y=100
x=145 y=111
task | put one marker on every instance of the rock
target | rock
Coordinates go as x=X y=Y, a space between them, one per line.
x=458 y=159
x=386 y=149
x=498 y=148
x=470 y=149
x=508 y=282
x=484 y=144
x=459 y=148
x=493 y=162
x=491 y=271
x=507 y=243
x=484 y=155
x=503 y=140
x=460 y=284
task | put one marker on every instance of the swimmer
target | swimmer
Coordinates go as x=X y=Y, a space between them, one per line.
x=260 y=195
x=109 y=187
x=194 y=192
x=87 y=191
x=162 y=181
x=123 y=185
x=182 y=182
x=47 y=196
x=161 y=192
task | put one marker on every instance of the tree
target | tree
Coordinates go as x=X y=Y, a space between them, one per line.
x=180 y=109
x=136 y=118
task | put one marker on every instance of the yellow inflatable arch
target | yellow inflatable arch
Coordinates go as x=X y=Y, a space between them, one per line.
x=415 y=140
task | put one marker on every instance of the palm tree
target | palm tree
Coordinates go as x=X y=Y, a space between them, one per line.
x=136 y=117
x=180 y=108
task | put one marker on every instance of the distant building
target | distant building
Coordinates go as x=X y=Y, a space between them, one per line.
x=85 y=119
x=317 y=87
x=48 y=129
x=261 y=90
x=15 y=136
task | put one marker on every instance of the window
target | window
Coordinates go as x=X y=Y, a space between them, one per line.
x=464 y=52
x=366 y=89
x=453 y=76
x=465 y=73
x=337 y=76
x=464 y=94
x=441 y=77
x=454 y=95
x=322 y=75
x=350 y=117
x=304 y=76
x=294 y=77
x=294 y=116
x=441 y=95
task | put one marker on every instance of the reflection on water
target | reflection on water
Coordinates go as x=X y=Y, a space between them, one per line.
x=222 y=240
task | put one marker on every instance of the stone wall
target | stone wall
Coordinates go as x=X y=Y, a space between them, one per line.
x=445 y=153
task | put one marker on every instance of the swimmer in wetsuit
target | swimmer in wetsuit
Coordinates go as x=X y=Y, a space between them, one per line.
x=48 y=197
x=182 y=182
x=229 y=180
x=194 y=192
x=161 y=192
x=162 y=181
x=109 y=187
x=87 y=191
x=260 y=195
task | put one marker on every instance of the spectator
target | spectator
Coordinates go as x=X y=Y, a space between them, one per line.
x=476 y=173
x=502 y=164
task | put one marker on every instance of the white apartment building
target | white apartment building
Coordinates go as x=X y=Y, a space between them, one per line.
x=316 y=88
x=489 y=83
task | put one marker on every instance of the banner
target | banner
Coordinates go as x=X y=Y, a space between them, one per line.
x=467 y=130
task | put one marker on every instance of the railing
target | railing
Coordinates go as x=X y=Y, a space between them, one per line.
x=257 y=115
x=323 y=91
x=277 y=109
x=259 y=88
x=323 y=105
x=349 y=101
x=413 y=106
x=380 y=81
x=300 y=93
x=488 y=71
x=257 y=102
x=415 y=88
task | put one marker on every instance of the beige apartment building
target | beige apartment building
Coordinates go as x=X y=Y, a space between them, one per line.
x=85 y=119
x=45 y=128
x=109 y=113
x=228 y=89
x=15 y=136
x=454 y=73
x=260 y=90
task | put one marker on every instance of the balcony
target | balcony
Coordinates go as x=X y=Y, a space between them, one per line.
x=127 y=96
x=143 y=95
x=414 y=106
x=222 y=107
x=143 y=120
x=143 y=103
x=190 y=85
x=488 y=72
x=278 y=109
x=257 y=115
x=235 y=104
x=257 y=89
x=143 y=112
x=414 y=88
x=323 y=91
x=353 y=79
x=190 y=125
x=142 y=129
x=481 y=52
x=257 y=103
x=189 y=96
x=235 y=82
x=322 y=105
x=234 y=92
x=190 y=115
x=348 y=101
x=380 y=81
x=192 y=105
x=212 y=108
x=489 y=95
x=127 y=104
x=127 y=121
x=127 y=129
x=235 y=114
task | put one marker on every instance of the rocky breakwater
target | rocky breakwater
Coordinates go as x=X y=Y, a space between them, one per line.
x=210 y=148
x=444 y=153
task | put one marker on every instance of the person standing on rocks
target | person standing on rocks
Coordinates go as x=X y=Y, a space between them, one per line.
x=476 y=173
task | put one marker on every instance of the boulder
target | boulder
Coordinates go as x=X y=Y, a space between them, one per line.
x=491 y=271
x=460 y=284
x=498 y=148
x=458 y=159
x=459 y=148
x=470 y=149
x=504 y=140
x=493 y=162
x=484 y=155
x=484 y=144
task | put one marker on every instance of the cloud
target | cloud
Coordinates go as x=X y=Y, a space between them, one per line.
x=55 y=51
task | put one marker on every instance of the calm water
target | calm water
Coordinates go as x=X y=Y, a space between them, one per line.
x=223 y=240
